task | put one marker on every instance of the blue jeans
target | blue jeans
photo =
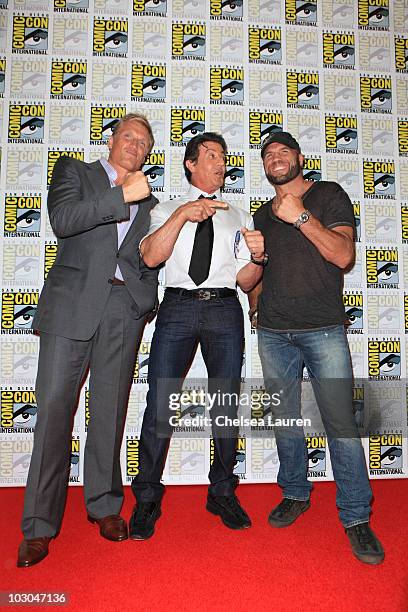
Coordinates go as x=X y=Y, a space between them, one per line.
x=326 y=355
x=183 y=322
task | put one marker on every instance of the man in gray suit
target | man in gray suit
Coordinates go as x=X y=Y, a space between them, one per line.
x=91 y=314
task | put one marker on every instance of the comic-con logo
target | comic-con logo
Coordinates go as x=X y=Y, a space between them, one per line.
x=404 y=224
x=54 y=155
x=255 y=204
x=226 y=85
x=21 y=260
x=186 y=457
x=110 y=37
x=373 y=14
x=353 y=306
x=148 y=83
x=375 y=94
x=301 y=12
x=50 y=254
x=75 y=6
x=19 y=360
x=15 y=458
x=264 y=457
x=377 y=135
x=150 y=7
x=28 y=78
x=185 y=124
x=316 y=454
x=262 y=125
x=403 y=137
x=383 y=312
x=234 y=181
x=188 y=41
x=30 y=34
x=357 y=219
x=68 y=79
x=385 y=454
x=132 y=457
x=379 y=179
x=338 y=50
x=265 y=45
x=226 y=9
x=26 y=123
x=74 y=460
x=142 y=363
x=103 y=119
x=154 y=170
x=312 y=169
x=22 y=215
x=2 y=76
x=384 y=359
x=401 y=54
x=341 y=134
x=17 y=311
x=302 y=89
x=382 y=268
x=18 y=410
x=240 y=457
x=109 y=81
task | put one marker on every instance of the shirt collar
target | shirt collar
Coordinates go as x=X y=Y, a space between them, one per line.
x=109 y=169
x=194 y=193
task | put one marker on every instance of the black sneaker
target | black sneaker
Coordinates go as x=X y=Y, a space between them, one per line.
x=287 y=512
x=229 y=509
x=143 y=520
x=366 y=546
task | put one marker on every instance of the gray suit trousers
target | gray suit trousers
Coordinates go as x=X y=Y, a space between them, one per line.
x=110 y=355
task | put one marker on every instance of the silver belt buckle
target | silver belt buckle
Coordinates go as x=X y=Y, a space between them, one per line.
x=204 y=294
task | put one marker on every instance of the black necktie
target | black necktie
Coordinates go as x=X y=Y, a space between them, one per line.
x=202 y=249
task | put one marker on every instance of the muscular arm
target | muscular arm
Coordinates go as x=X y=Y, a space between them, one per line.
x=335 y=245
x=157 y=247
x=249 y=276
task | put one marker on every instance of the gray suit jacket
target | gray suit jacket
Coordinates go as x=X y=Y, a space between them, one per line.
x=83 y=210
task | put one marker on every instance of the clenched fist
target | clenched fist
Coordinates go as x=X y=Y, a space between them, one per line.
x=289 y=207
x=135 y=187
x=255 y=242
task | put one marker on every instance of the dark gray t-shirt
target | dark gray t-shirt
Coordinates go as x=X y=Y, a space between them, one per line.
x=301 y=290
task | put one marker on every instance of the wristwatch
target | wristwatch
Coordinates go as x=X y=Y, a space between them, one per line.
x=263 y=261
x=303 y=217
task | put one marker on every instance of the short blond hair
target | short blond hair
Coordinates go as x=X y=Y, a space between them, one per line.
x=140 y=118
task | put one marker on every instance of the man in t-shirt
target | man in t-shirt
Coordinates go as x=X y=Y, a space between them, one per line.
x=308 y=229
x=208 y=247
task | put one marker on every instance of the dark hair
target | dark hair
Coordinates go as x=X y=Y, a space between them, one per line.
x=193 y=145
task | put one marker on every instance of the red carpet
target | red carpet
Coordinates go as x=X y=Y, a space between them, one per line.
x=194 y=563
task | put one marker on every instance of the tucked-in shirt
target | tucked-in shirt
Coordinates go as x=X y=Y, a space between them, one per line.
x=122 y=226
x=230 y=252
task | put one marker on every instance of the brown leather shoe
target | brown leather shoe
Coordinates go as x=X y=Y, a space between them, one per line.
x=32 y=551
x=112 y=527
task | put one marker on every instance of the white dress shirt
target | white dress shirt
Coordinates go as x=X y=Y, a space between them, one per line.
x=230 y=252
x=122 y=226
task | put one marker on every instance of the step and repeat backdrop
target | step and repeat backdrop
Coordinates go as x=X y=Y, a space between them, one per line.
x=332 y=72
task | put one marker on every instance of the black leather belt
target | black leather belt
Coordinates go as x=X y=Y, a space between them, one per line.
x=116 y=281
x=202 y=294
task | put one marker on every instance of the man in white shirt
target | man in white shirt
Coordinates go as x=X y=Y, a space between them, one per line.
x=209 y=247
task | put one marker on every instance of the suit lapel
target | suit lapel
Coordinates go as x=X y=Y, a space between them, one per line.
x=100 y=182
x=137 y=223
